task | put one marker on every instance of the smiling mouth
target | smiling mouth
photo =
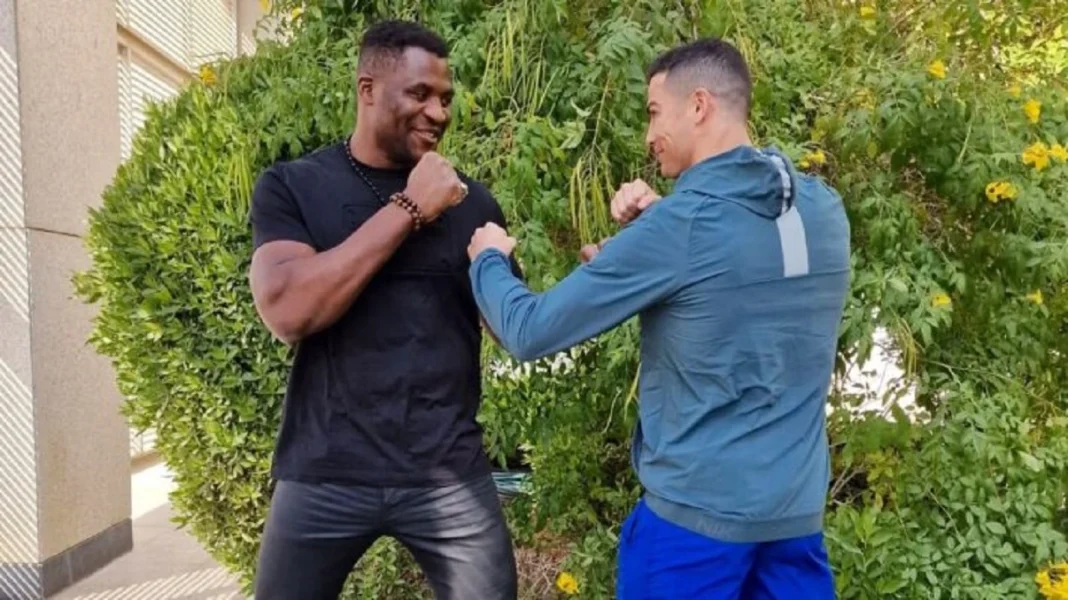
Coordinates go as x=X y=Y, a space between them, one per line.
x=429 y=135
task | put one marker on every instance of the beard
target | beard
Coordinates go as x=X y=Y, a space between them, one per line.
x=395 y=145
x=402 y=146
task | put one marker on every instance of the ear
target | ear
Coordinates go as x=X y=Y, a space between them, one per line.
x=365 y=89
x=703 y=105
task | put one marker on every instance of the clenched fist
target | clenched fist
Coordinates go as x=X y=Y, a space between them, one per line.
x=489 y=236
x=434 y=186
x=587 y=252
x=631 y=199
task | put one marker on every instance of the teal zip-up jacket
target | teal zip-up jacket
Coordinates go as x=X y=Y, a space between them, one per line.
x=740 y=277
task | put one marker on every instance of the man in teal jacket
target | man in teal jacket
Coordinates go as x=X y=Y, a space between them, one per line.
x=739 y=277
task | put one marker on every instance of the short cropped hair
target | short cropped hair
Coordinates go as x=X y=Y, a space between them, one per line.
x=710 y=63
x=385 y=42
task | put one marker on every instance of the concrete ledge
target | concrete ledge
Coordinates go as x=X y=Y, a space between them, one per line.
x=77 y=563
x=68 y=567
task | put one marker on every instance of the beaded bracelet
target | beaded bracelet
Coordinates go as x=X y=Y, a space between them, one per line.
x=403 y=201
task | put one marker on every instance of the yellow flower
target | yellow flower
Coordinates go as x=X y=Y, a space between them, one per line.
x=1053 y=582
x=1000 y=190
x=1035 y=296
x=296 y=12
x=1015 y=91
x=941 y=299
x=864 y=98
x=265 y=5
x=937 y=69
x=992 y=192
x=1033 y=110
x=1036 y=155
x=207 y=75
x=567 y=583
x=1057 y=151
x=817 y=158
x=867 y=12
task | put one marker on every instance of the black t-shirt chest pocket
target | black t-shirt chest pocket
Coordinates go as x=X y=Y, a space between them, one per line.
x=431 y=250
x=434 y=249
x=336 y=225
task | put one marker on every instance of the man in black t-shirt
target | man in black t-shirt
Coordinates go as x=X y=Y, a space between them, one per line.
x=360 y=263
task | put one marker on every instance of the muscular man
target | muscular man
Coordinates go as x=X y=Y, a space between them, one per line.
x=360 y=264
x=740 y=277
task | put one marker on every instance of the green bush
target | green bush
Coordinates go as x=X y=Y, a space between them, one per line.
x=913 y=111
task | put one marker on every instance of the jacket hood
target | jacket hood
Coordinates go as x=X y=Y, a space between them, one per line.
x=762 y=180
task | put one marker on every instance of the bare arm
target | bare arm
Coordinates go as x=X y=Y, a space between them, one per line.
x=299 y=292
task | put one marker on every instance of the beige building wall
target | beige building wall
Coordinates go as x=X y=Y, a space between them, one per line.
x=75 y=77
x=57 y=97
x=67 y=97
x=18 y=480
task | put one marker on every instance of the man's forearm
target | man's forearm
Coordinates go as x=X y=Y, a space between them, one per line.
x=313 y=292
x=527 y=325
x=640 y=267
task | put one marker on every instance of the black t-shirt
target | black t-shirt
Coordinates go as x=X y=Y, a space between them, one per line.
x=387 y=396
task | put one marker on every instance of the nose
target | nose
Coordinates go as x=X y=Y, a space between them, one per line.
x=436 y=112
x=649 y=138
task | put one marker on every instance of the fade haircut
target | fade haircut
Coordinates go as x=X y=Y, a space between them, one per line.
x=385 y=42
x=708 y=63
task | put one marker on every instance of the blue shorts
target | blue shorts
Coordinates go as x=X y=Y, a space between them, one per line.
x=661 y=560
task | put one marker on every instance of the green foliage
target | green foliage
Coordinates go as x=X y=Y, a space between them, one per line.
x=961 y=498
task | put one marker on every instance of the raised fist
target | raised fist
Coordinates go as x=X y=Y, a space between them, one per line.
x=490 y=235
x=631 y=199
x=434 y=186
x=589 y=251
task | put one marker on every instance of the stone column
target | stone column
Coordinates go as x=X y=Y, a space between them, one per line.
x=64 y=447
